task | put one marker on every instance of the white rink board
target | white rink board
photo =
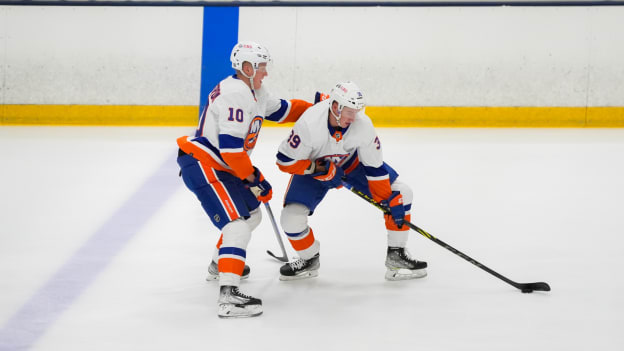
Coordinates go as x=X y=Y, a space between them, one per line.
x=491 y=56
x=487 y=56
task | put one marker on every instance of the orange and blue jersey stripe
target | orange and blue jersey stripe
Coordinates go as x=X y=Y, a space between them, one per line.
x=281 y=113
x=289 y=111
x=234 y=154
x=229 y=143
x=202 y=150
x=378 y=182
x=292 y=166
x=202 y=119
x=232 y=158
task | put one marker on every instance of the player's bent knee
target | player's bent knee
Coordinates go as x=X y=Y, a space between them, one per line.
x=405 y=191
x=236 y=234
x=294 y=218
x=255 y=217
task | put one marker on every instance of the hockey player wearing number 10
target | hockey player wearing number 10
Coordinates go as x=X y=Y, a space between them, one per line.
x=335 y=139
x=216 y=166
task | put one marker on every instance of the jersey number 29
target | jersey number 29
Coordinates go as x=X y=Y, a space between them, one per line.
x=294 y=140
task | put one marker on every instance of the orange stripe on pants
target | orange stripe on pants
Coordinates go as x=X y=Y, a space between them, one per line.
x=303 y=243
x=218 y=187
x=231 y=265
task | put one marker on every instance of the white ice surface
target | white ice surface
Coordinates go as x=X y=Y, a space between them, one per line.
x=532 y=204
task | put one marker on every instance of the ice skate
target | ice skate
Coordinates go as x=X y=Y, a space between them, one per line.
x=234 y=304
x=300 y=269
x=401 y=266
x=213 y=272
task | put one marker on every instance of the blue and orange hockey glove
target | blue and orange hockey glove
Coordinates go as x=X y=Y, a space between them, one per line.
x=318 y=97
x=260 y=187
x=395 y=204
x=331 y=176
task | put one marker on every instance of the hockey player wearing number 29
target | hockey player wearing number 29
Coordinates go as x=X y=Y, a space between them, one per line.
x=335 y=139
x=216 y=166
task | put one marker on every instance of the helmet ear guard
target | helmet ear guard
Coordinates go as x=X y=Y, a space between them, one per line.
x=248 y=51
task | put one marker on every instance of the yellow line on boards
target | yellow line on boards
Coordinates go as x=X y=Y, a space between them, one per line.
x=106 y=115
x=532 y=117
x=382 y=116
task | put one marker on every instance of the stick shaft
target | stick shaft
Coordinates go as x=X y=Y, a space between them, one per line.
x=275 y=229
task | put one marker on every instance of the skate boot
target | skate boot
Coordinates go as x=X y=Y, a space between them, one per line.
x=300 y=269
x=234 y=304
x=401 y=266
x=213 y=272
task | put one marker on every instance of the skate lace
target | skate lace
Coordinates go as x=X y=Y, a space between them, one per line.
x=298 y=264
x=237 y=292
x=406 y=255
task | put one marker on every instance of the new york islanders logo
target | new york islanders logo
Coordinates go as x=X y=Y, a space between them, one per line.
x=337 y=135
x=253 y=133
x=338 y=159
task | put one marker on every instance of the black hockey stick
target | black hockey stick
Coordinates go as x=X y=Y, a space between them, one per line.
x=277 y=234
x=524 y=287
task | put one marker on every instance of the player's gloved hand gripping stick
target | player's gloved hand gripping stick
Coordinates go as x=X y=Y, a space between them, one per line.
x=330 y=174
x=395 y=206
x=260 y=187
x=524 y=287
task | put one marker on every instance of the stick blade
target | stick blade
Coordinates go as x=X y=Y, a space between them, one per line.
x=283 y=259
x=530 y=287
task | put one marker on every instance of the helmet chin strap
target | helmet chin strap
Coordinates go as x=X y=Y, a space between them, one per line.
x=251 y=78
x=337 y=117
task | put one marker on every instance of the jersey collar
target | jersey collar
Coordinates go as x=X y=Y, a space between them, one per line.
x=336 y=133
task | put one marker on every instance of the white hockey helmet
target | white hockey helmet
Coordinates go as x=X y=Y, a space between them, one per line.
x=347 y=94
x=251 y=52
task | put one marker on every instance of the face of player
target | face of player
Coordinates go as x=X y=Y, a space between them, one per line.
x=261 y=72
x=347 y=116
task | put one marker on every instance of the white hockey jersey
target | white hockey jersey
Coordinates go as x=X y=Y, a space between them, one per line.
x=230 y=124
x=313 y=138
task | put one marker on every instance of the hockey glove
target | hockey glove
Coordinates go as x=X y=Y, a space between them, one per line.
x=259 y=186
x=331 y=176
x=318 y=97
x=395 y=204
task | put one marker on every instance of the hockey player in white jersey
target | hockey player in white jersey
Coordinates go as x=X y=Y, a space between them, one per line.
x=216 y=166
x=335 y=139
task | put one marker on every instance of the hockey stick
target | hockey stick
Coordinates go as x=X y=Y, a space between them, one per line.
x=524 y=287
x=277 y=234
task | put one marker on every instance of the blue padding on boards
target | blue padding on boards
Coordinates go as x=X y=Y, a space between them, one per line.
x=220 y=34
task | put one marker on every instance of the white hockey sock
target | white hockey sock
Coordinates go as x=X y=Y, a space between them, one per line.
x=229 y=279
x=397 y=239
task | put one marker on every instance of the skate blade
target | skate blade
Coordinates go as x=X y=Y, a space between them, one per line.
x=211 y=278
x=228 y=310
x=405 y=274
x=305 y=275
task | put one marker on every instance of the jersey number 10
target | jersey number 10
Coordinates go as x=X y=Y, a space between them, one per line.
x=238 y=115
